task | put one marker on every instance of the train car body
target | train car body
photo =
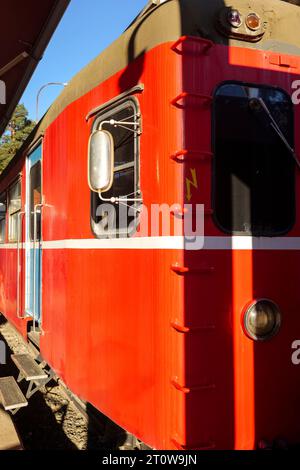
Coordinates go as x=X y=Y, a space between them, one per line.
x=150 y=332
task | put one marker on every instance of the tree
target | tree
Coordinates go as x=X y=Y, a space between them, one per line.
x=17 y=131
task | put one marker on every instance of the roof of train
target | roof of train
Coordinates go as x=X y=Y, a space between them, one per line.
x=25 y=32
x=167 y=20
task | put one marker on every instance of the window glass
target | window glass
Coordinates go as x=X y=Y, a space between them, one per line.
x=14 y=195
x=254 y=171
x=123 y=138
x=35 y=198
x=2 y=217
x=126 y=176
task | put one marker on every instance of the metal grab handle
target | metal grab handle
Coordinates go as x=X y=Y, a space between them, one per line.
x=35 y=212
x=206 y=43
x=19 y=239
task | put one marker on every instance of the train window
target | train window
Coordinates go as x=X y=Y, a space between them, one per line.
x=254 y=171
x=122 y=221
x=14 y=208
x=35 y=198
x=2 y=217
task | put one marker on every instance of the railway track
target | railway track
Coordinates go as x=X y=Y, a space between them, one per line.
x=54 y=419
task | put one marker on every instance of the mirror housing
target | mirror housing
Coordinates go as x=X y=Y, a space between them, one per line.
x=100 y=161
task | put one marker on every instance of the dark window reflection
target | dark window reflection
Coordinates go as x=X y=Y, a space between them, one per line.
x=125 y=181
x=254 y=187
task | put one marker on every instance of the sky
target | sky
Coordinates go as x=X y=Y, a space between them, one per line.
x=86 y=29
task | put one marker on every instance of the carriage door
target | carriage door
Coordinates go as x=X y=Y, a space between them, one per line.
x=33 y=234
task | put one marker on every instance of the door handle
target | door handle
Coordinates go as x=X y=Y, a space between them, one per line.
x=19 y=270
x=35 y=212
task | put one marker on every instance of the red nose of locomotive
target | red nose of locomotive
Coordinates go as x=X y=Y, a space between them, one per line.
x=242 y=294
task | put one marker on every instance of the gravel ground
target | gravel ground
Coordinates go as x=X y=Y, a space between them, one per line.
x=51 y=420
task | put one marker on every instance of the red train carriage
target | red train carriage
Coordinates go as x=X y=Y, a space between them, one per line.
x=186 y=349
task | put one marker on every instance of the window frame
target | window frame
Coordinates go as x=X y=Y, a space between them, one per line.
x=214 y=162
x=3 y=197
x=103 y=114
x=12 y=184
x=38 y=163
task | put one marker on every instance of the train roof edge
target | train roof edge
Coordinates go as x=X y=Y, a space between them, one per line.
x=167 y=22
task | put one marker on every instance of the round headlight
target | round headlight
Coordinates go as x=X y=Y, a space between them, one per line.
x=234 y=18
x=253 y=21
x=262 y=320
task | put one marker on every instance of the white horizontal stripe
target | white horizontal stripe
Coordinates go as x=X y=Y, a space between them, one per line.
x=137 y=243
x=8 y=246
x=173 y=243
x=15 y=245
x=251 y=243
x=178 y=243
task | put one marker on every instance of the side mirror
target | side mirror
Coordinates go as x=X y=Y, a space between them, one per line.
x=100 y=161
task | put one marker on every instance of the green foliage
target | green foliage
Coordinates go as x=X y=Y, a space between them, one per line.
x=16 y=133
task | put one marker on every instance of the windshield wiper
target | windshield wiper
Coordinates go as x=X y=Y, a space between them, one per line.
x=276 y=127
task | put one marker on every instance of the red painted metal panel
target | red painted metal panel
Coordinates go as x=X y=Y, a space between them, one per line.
x=115 y=346
x=161 y=350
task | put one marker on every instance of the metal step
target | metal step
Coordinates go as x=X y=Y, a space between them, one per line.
x=11 y=395
x=9 y=438
x=28 y=368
